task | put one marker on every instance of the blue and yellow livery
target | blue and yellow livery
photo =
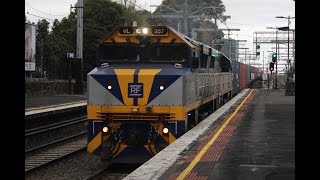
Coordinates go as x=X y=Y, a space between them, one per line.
x=150 y=86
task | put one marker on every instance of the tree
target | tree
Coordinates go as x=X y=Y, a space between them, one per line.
x=100 y=18
x=41 y=45
x=193 y=6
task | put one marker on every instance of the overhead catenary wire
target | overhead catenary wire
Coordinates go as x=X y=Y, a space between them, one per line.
x=150 y=13
x=45 y=13
x=138 y=6
x=27 y=13
x=200 y=23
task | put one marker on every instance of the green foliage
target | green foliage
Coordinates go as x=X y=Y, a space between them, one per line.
x=42 y=29
x=100 y=17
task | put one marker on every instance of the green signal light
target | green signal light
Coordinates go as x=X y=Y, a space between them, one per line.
x=215 y=55
x=274 y=57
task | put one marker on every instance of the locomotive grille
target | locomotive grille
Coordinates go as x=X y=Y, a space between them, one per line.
x=136 y=116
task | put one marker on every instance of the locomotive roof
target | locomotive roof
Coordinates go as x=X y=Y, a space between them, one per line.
x=168 y=35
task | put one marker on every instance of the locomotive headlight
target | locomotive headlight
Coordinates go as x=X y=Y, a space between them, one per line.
x=165 y=130
x=161 y=88
x=145 y=30
x=138 y=31
x=109 y=84
x=105 y=129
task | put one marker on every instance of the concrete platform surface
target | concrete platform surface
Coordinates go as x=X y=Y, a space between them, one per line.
x=249 y=138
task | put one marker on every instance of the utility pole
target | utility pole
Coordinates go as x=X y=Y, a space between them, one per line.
x=229 y=52
x=288 y=44
x=70 y=56
x=216 y=27
x=185 y=20
x=293 y=48
x=41 y=58
x=80 y=41
x=277 y=45
x=262 y=61
x=277 y=54
x=245 y=56
x=288 y=41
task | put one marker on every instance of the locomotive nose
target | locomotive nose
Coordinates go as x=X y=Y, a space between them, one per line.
x=136 y=85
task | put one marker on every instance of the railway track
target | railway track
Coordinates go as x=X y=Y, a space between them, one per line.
x=53 y=126
x=49 y=143
x=44 y=155
x=37 y=137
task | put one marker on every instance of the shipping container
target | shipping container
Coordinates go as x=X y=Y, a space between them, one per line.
x=243 y=75
x=248 y=74
x=255 y=72
x=235 y=77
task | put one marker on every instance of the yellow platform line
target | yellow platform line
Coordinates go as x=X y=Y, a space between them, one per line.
x=206 y=147
x=52 y=106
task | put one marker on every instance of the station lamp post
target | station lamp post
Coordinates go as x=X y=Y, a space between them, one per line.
x=288 y=40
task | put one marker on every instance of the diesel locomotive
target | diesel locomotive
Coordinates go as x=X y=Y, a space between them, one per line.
x=150 y=86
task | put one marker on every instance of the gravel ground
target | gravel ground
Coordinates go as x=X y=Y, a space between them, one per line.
x=77 y=166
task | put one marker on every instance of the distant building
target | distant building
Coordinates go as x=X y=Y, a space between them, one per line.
x=233 y=45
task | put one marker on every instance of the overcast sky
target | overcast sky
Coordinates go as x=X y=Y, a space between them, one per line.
x=247 y=15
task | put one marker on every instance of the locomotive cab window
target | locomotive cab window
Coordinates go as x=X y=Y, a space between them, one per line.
x=225 y=64
x=203 y=61
x=195 y=60
x=211 y=65
x=167 y=53
x=119 y=53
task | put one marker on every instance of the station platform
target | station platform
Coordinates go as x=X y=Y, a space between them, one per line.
x=44 y=104
x=252 y=137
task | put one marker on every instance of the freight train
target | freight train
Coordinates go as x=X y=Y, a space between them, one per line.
x=150 y=86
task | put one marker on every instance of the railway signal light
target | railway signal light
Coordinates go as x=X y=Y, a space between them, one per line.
x=274 y=57
x=271 y=66
x=258 y=50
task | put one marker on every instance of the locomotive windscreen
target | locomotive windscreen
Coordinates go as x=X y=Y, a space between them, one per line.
x=225 y=64
x=119 y=52
x=167 y=53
